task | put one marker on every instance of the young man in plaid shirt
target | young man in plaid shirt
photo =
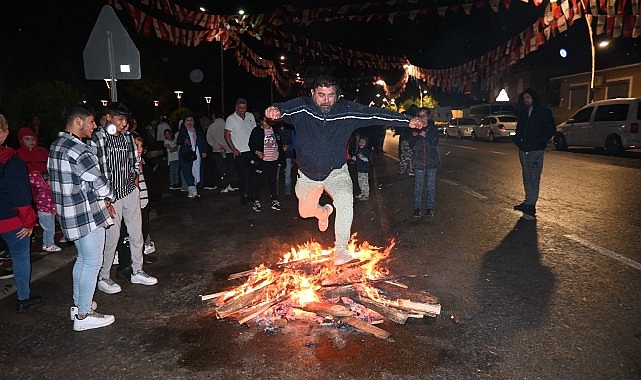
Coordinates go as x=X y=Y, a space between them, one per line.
x=82 y=197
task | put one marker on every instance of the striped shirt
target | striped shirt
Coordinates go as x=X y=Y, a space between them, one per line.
x=117 y=159
x=78 y=187
x=270 y=146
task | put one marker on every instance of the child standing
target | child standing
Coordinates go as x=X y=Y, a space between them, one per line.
x=362 y=157
x=35 y=158
x=172 y=160
x=426 y=160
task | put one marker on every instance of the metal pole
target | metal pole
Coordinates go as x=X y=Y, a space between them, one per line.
x=222 y=82
x=112 y=67
x=588 y=20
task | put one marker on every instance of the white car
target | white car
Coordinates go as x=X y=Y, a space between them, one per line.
x=612 y=124
x=460 y=127
x=495 y=127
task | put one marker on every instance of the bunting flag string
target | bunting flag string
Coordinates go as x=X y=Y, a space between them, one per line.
x=178 y=25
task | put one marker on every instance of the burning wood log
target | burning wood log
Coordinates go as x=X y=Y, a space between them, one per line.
x=366 y=327
x=325 y=309
x=390 y=313
x=247 y=300
x=392 y=291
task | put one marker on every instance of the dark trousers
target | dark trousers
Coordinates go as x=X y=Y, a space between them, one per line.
x=223 y=168
x=267 y=171
x=245 y=175
x=209 y=172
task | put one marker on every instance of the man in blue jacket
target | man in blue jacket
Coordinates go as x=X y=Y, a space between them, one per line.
x=533 y=130
x=324 y=123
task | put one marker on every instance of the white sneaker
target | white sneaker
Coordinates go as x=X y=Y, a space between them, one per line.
x=143 y=278
x=342 y=256
x=93 y=320
x=150 y=248
x=108 y=286
x=225 y=190
x=116 y=258
x=63 y=240
x=74 y=310
x=230 y=188
x=51 y=248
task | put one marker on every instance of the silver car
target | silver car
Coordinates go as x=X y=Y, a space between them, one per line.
x=460 y=127
x=495 y=127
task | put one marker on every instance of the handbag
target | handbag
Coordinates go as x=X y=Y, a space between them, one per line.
x=189 y=156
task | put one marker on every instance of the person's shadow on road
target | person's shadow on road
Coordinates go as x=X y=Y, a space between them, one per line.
x=514 y=287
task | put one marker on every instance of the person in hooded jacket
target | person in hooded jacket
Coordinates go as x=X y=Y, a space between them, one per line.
x=425 y=161
x=17 y=217
x=35 y=157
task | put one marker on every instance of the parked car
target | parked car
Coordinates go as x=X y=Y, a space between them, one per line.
x=495 y=127
x=612 y=124
x=460 y=127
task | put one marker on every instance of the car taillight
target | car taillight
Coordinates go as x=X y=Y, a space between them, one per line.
x=501 y=126
x=634 y=128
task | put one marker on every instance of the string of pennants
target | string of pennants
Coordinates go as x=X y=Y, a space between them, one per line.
x=181 y=26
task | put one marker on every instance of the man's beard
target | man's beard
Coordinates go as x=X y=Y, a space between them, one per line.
x=325 y=107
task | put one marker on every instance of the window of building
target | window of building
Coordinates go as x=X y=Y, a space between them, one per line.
x=578 y=96
x=618 y=89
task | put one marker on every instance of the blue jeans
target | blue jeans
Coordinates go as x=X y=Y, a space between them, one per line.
x=532 y=167
x=48 y=223
x=422 y=176
x=19 y=250
x=288 y=175
x=174 y=175
x=85 y=271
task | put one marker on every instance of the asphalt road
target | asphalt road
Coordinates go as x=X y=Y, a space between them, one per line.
x=553 y=298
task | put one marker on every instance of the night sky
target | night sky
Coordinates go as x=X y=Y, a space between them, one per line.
x=44 y=40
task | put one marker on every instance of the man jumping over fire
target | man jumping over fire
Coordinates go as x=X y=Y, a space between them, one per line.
x=323 y=126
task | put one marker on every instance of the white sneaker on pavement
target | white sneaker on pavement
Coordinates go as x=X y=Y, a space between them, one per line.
x=108 y=286
x=93 y=320
x=51 y=248
x=143 y=278
x=150 y=248
x=74 y=310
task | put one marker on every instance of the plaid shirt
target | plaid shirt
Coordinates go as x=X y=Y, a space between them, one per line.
x=99 y=142
x=78 y=187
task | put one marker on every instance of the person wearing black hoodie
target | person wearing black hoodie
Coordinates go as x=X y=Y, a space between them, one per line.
x=534 y=129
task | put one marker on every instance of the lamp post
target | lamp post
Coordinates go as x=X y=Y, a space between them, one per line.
x=208 y=101
x=179 y=96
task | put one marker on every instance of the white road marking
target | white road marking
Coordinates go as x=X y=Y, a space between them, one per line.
x=495 y=152
x=464 y=147
x=449 y=182
x=474 y=193
x=605 y=251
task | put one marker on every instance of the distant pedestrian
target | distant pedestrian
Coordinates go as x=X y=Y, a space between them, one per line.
x=221 y=152
x=17 y=218
x=267 y=150
x=238 y=127
x=362 y=158
x=534 y=129
x=193 y=149
x=172 y=160
x=83 y=196
x=426 y=159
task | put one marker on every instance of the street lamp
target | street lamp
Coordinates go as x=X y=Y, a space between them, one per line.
x=208 y=101
x=104 y=102
x=179 y=96
x=156 y=103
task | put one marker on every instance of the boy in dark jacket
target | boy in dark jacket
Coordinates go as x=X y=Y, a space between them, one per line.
x=426 y=159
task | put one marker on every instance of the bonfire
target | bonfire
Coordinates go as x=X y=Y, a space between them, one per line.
x=305 y=285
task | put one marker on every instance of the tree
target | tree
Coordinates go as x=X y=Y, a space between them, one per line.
x=45 y=99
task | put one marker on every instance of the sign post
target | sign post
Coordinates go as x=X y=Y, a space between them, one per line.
x=110 y=54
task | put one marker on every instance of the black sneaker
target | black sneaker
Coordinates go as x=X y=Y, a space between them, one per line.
x=520 y=207
x=23 y=305
x=429 y=212
x=276 y=206
x=417 y=213
x=529 y=212
x=257 y=207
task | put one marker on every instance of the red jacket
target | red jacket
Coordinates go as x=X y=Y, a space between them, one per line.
x=36 y=157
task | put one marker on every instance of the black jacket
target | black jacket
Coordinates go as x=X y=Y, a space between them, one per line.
x=534 y=131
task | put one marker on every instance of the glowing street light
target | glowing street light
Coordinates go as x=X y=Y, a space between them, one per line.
x=179 y=96
x=208 y=101
x=156 y=103
x=104 y=102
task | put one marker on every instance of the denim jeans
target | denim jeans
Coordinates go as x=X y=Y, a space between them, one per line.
x=85 y=270
x=19 y=250
x=174 y=175
x=422 y=176
x=48 y=223
x=531 y=166
x=288 y=175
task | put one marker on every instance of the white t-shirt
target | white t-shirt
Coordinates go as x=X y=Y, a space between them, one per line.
x=171 y=156
x=240 y=130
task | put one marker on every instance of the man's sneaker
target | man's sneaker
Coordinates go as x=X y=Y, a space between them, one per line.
x=27 y=304
x=108 y=286
x=6 y=273
x=529 y=212
x=231 y=188
x=149 y=248
x=342 y=256
x=429 y=212
x=363 y=197
x=193 y=196
x=276 y=206
x=417 y=213
x=51 y=248
x=520 y=207
x=323 y=221
x=5 y=255
x=63 y=239
x=210 y=187
x=93 y=320
x=225 y=190
x=257 y=207
x=74 y=310
x=143 y=278
x=116 y=260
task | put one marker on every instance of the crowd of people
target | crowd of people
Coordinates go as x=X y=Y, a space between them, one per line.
x=91 y=178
